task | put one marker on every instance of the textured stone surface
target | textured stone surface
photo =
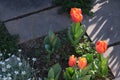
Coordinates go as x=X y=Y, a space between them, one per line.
x=105 y=25
x=38 y=24
x=114 y=59
x=105 y=22
x=13 y=8
x=117 y=78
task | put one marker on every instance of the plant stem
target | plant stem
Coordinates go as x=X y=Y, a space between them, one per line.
x=48 y=57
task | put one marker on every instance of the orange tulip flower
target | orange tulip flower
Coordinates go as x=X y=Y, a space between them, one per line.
x=101 y=46
x=82 y=63
x=76 y=15
x=72 y=61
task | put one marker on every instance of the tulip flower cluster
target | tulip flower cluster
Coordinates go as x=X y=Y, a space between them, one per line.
x=81 y=63
x=88 y=65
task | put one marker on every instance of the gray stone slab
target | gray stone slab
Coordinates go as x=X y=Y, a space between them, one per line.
x=38 y=24
x=113 y=53
x=13 y=8
x=117 y=78
x=105 y=25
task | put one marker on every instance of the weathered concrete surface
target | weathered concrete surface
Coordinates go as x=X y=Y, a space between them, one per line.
x=117 y=78
x=13 y=8
x=38 y=24
x=105 y=25
x=113 y=54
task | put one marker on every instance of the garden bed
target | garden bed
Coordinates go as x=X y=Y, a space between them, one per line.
x=35 y=49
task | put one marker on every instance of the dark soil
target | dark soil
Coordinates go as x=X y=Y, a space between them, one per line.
x=35 y=48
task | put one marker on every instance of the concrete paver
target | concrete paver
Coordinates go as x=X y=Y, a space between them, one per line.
x=105 y=22
x=113 y=54
x=13 y=8
x=117 y=78
x=38 y=24
x=105 y=25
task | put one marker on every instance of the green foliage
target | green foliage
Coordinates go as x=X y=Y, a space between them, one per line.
x=75 y=33
x=54 y=72
x=102 y=64
x=99 y=65
x=52 y=42
x=85 y=5
x=89 y=57
x=84 y=48
x=15 y=68
x=69 y=72
x=8 y=43
x=77 y=74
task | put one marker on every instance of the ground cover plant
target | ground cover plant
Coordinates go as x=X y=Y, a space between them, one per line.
x=17 y=70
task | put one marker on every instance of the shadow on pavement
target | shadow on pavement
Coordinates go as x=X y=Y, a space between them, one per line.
x=105 y=25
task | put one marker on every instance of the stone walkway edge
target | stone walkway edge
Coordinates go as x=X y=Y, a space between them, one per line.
x=30 y=13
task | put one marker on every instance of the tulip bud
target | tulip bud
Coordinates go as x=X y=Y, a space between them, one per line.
x=82 y=63
x=72 y=61
x=76 y=15
x=101 y=46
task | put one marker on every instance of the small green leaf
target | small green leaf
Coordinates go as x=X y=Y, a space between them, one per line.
x=89 y=57
x=46 y=79
x=104 y=66
x=51 y=36
x=86 y=70
x=69 y=73
x=57 y=70
x=51 y=73
x=87 y=77
x=70 y=70
x=75 y=32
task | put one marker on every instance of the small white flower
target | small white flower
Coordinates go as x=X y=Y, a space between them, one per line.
x=4 y=78
x=18 y=58
x=8 y=66
x=7 y=59
x=29 y=79
x=19 y=63
x=9 y=78
x=19 y=50
x=40 y=78
x=34 y=59
x=13 y=55
x=16 y=72
x=3 y=63
x=3 y=70
x=8 y=74
x=23 y=72
x=0 y=75
x=9 y=54
x=28 y=58
x=0 y=54
x=0 y=62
